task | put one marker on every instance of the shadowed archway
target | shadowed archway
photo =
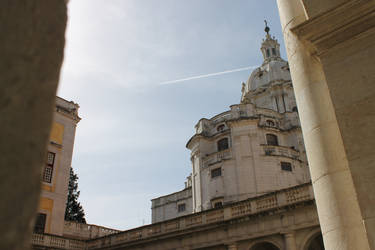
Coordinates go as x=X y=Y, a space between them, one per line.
x=315 y=243
x=264 y=246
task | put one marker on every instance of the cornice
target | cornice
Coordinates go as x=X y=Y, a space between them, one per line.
x=341 y=24
x=72 y=114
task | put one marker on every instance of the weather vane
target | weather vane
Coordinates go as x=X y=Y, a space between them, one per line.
x=267 y=29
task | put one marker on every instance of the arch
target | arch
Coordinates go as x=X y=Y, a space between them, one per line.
x=265 y=244
x=222 y=144
x=313 y=241
x=272 y=140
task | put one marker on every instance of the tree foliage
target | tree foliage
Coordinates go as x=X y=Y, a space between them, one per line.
x=74 y=211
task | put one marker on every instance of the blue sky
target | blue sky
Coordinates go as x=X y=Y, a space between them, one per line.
x=130 y=144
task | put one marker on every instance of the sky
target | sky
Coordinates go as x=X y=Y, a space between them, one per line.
x=144 y=72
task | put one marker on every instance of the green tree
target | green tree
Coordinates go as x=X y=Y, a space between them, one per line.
x=74 y=210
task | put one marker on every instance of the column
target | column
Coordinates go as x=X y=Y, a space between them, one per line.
x=336 y=198
x=31 y=49
x=290 y=241
x=232 y=246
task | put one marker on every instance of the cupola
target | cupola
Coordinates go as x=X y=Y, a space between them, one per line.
x=270 y=47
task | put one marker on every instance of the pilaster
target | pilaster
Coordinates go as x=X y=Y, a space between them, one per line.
x=290 y=241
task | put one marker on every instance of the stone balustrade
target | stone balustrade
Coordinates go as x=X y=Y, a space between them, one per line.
x=281 y=151
x=276 y=200
x=85 y=231
x=222 y=117
x=217 y=157
x=252 y=206
x=57 y=242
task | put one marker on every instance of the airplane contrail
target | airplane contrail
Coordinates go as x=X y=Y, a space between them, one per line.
x=207 y=75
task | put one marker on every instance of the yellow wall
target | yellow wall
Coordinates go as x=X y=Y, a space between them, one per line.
x=57 y=133
x=56 y=136
x=46 y=204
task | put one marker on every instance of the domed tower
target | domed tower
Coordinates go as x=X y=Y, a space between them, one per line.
x=254 y=148
x=270 y=85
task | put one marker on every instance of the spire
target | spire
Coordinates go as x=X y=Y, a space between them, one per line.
x=270 y=47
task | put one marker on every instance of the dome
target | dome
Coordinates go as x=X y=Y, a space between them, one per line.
x=273 y=71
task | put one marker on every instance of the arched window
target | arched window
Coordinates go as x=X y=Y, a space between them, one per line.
x=272 y=140
x=270 y=123
x=273 y=51
x=220 y=127
x=222 y=144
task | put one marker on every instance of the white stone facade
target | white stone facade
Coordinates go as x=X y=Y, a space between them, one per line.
x=173 y=205
x=254 y=148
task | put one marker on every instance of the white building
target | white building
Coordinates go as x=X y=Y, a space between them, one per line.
x=254 y=148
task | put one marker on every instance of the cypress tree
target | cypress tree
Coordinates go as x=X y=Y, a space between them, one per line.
x=74 y=211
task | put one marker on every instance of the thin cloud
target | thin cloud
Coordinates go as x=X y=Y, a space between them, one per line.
x=207 y=75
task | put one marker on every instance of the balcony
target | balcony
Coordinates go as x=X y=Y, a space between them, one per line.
x=281 y=151
x=217 y=157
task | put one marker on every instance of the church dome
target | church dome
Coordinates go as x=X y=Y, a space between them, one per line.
x=273 y=71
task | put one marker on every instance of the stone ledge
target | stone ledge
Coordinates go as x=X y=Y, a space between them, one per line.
x=334 y=27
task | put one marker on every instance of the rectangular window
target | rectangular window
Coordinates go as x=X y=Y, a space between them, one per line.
x=181 y=207
x=286 y=166
x=215 y=172
x=40 y=223
x=48 y=168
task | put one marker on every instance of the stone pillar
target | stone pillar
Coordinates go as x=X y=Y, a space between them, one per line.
x=290 y=241
x=31 y=49
x=336 y=195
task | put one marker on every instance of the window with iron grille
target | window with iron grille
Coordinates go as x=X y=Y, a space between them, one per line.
x=222 y=144
x=287 y=166
x=40 y=223
x=181 y=207
x=48 y=168
x=215 y=172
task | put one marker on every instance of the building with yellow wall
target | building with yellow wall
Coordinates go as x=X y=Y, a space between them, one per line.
x=55 y=173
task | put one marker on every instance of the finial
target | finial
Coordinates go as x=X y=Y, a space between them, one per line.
x=267 y=29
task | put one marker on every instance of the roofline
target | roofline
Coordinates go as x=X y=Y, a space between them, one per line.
x=171 y=193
